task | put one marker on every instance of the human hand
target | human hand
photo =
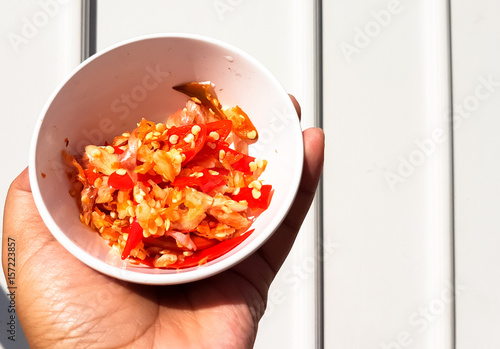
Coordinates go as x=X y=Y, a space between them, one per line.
x=62 y=303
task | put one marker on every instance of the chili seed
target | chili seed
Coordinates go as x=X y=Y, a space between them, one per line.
x=153 y=230
x=179 y=158
x=255 y=184
x=214 y=135
x=160 y=127
x=173 y=139
x=253 y=166
x=159 y=221
x=195 y=129
x=256 y=193
x=252 y=134
x=189 y=138
x=98 y=182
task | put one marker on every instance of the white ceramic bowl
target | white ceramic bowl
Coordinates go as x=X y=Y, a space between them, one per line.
x=110 y=92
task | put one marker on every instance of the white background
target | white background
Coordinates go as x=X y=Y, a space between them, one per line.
x=409 y=209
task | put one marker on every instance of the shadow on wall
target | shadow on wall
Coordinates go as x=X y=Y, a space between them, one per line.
x=11 y=333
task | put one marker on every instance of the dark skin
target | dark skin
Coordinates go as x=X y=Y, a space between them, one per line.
x=62 y=303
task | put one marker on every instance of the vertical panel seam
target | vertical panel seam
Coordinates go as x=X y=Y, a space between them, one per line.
x=89 y=28
x=452 y=179
x=320 y=338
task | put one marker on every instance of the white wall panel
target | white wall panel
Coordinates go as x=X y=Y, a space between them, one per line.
x=476 y=92
x=387 y=175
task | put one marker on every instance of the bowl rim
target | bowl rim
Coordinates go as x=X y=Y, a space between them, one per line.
x=183 y=275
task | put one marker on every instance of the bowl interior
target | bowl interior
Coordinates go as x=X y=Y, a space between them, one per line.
x=109 y=93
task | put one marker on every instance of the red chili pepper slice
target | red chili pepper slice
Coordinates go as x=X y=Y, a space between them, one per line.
x=169 y=243
x=91 y=175
x=237 y=160
x=203 y=256
x=210 y=150
x=242 y=125
x=135 y=234
x=211 y=253
x=165 y=242
x=145 y=178
x=207 y=182
x=261 y=203
x=188 y=149
x=118 y=150
x=206 y=155
x=202 y=243
x=222 y=127
x=120 y=182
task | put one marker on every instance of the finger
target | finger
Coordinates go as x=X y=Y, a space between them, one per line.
x=296 y=105
x=21 y=217
x=22 y=182
x=279 y=245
